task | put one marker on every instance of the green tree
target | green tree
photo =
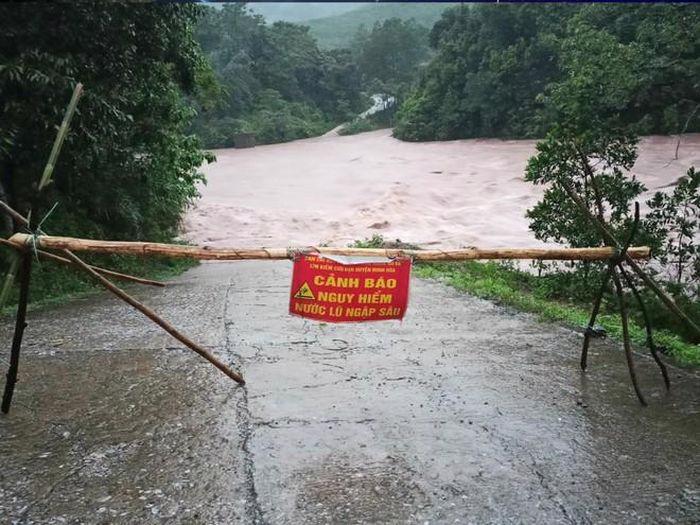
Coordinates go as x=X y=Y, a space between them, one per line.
x=127 y=168
x=675 y=219
x=391 y=52
x=491 y=62
x=588 y=150
x=594 y=165
x=496 y=67
x=667 y=35
x=275 y=81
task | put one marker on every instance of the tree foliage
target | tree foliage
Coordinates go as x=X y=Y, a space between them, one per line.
x=595 y=166
x=491 y=63
x=505 y=70
x=276 y=82
x=127 y=168
x=390 y=53
x=675 y=219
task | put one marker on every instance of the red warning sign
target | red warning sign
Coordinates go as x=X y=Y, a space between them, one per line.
x=335 y=292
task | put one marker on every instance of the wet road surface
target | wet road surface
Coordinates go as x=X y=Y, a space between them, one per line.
x=464 y=413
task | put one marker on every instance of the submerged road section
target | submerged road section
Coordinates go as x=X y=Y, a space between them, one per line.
x=465 y=412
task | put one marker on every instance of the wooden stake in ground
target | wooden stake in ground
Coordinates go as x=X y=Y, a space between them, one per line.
x=156 y=319
x=624 y=319
x=604 y=284
x=629 y=259
x=647 y=327
x=20 y=324
x=594 y=315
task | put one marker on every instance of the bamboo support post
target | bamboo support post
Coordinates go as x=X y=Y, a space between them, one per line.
x=103 y=271
x=20 y=325
x=629 y=259
x=626 y=336
x=647 y=327
x=594 y=314
x=145 y=310
x=26 y=265
x=234 y=254
x=604 y=285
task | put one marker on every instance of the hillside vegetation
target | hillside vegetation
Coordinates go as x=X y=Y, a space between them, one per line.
x=273 y=80
x=499 y=68
x=127 y=169
x=297 y=12
x=338 y=31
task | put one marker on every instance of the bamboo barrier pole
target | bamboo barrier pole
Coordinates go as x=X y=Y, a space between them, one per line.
x=145 y=310
x=236 y=254
x=117 y=275
x=103 y=271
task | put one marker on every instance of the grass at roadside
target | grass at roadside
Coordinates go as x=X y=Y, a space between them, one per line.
x=52 y=283
x=518 y=289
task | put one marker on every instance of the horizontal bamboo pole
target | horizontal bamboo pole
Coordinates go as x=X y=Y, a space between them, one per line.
x=103 y=271
x=117 y=275
x=236 y=254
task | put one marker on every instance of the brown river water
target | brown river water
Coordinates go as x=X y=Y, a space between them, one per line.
x=335 y=190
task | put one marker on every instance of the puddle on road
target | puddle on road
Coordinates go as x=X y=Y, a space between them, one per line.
x=125 y=435
x=345 y=490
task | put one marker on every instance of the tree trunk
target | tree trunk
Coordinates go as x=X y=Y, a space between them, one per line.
x=6 y=227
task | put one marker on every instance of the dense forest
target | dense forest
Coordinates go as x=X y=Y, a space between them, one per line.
x=276 y=83
x=503 y=70
x=128 y=168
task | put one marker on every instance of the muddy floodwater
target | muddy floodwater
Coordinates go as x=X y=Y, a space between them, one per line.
x=335 y=190
x=465 y=412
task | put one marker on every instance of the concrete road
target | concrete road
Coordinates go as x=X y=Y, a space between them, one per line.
x=465 y=412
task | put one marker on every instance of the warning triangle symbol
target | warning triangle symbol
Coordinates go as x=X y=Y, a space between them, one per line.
x=304 y=292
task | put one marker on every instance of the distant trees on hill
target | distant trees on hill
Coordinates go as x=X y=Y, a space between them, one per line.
x=390 y=53
x=274 y=80
x=504 y=70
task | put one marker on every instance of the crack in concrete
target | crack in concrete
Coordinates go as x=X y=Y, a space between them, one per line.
x=245 y=430
x=312 y=386
x=301 y=422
